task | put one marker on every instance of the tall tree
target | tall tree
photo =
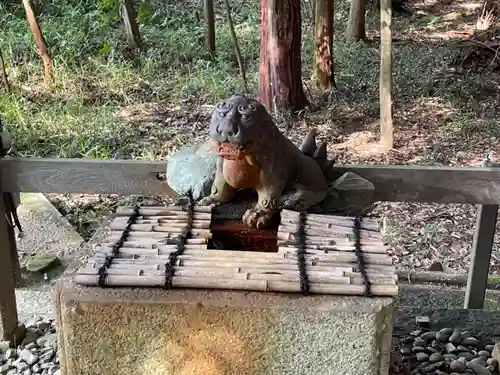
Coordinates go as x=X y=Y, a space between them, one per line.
x=355 y=29
x=129 y=15
x=208 y=10
x=41 y=46
x=324 y=73
x=280 y=86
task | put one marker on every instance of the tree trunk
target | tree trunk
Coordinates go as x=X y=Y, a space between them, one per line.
x=324 y=73
x=129 y=16
x=386 y=126
x=209 y=26
x=41 y=46
x=356 y=23
x=280 y=85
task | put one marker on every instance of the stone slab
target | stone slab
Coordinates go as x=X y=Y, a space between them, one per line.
x=45 y=229
x=200 y=332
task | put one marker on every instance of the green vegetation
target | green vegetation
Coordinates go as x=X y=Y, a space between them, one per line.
x=97 y=76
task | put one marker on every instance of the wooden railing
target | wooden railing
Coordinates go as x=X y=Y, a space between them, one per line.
x=471 y=185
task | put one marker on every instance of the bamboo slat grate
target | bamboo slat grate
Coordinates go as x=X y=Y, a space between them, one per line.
x=145 y=248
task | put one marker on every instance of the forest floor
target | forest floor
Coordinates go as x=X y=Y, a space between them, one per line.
x=108 y=103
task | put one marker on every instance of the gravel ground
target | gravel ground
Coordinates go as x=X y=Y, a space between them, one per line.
x=37 y=353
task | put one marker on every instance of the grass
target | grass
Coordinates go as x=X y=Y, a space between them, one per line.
x=109 y=103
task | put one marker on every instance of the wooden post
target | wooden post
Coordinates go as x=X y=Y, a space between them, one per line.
x=8 y=308
x=480 y=256
x=208 y=9
x=386 y=127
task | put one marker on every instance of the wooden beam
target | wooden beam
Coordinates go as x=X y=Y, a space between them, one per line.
x=123 y=177
x=8 y=308
x=400 y=183
x=480 y=257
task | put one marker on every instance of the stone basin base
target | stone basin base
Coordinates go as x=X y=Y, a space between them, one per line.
x=130 y=331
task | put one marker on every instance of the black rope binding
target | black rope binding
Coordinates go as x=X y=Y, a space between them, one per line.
x=180 y=241
x=301 y=244
x=359 y=255
x=115 y=251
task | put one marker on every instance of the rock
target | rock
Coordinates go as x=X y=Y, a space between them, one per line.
x=489 y=348
x=416 y=333
x=466 y=355
x=491 y=368
x=36 y=369
x=30 y=346
x=455 y=338
x=430 y=349
x=27 y=372
x=408 y=340
x=472 y=341
x=348 y=193
x=436 y=344
x=28 y=357
x=11 y=353
x=433 y=367
x=450 y=348
x=465 y=334
x=436 y=357
x=58 y=372
x=12 y=372
x=4 y=346
x=4 y=369
x=428 y=335
x=450 y=356
x=444 y=334
x=49 y=340
x=53 y=369
x=47 y=355
x=405 y=351
x=31 y=336
x=418 y=349
x=21 y=365
x=418 y=342
x=41 y=262
x=484 y=353
x=193 y=169
x=461 y=348
x=480 y=361
x=422 y=357
x=457 y=366
x=478 y=369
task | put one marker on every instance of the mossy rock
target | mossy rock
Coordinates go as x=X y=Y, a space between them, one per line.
x=42 y=262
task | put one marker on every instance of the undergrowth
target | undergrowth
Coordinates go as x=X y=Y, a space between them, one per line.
x=97 y=75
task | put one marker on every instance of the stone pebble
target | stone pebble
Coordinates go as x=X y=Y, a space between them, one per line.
x=449 y=352
x=37 y=353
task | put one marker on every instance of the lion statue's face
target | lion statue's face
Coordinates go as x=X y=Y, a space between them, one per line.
x=236 y=124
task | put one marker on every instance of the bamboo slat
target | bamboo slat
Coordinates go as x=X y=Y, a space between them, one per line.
x=331 y=262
